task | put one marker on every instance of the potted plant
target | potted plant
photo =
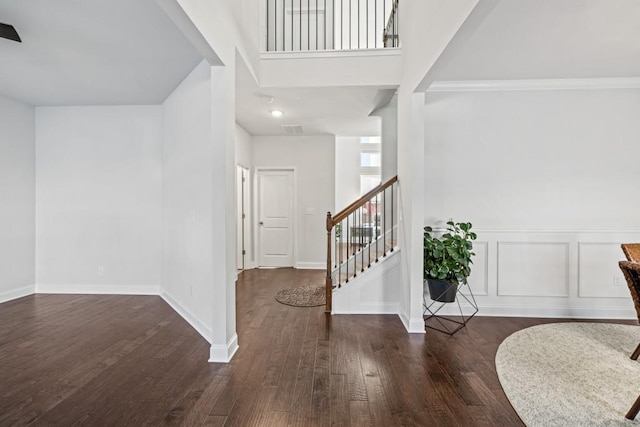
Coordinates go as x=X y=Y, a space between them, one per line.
x=447 y=260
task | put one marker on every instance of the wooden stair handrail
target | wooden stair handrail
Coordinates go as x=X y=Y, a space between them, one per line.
x=337 y=218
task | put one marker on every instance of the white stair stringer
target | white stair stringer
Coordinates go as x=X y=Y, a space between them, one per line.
x=375 y=291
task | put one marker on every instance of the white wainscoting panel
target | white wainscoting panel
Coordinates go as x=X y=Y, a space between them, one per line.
x=598 y=273
x=479 y=278
x=550 y=273
x=533 y=269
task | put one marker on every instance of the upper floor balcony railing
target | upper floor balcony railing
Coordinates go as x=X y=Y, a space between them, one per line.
x=313 y=25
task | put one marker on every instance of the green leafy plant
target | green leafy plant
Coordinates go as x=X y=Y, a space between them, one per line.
x=449 y=257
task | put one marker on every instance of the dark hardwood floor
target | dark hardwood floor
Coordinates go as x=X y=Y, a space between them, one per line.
x=131 y=360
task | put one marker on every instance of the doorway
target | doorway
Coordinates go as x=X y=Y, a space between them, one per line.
x=276 y=217
x=243 y=232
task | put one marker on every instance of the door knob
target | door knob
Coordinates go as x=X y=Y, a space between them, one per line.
x=261 y=223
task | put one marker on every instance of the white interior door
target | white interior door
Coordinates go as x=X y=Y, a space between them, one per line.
x=275 y=216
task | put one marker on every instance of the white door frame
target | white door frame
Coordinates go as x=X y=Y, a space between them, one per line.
x=256 y=204
x=243 y=205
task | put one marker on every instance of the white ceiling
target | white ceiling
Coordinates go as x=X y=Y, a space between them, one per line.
x=342 y=111
x=92 y=52
x=548 y=39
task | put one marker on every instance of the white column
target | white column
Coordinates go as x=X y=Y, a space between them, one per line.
x=224 y=339
x=411 y=209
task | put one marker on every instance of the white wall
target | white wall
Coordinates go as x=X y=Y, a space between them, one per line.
x=347 y=171
x=243 y=147
x=375 y=291
x=331 y=68
x=389 y=139
x=187 y=192
x=98 y=210
x=313 y=157
x=547 y=178
x=17 y=199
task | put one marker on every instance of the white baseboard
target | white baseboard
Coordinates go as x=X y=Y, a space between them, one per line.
x=413 y=326
x=311 y=265
x=199 y=326
x=17 y=293
x=549 y=312
x=224 y=353
x=97 y=289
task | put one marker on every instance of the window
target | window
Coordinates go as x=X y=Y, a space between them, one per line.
x=370 y=163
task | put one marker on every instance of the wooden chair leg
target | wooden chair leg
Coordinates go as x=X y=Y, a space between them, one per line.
x=634 y=410
x=636 y=353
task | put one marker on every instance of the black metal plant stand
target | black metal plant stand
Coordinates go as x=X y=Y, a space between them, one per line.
x=445 y=324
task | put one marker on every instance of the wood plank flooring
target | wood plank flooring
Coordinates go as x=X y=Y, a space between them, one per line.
x=100 y=360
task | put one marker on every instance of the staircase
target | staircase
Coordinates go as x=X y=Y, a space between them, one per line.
x=361 y=236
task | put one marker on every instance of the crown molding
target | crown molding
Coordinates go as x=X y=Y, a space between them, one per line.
x=543 y=84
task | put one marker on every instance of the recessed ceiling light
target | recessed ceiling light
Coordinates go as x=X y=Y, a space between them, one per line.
x=276 y=113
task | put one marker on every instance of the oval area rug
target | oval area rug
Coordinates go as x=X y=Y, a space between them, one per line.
x=302 y=296
x=571 y=374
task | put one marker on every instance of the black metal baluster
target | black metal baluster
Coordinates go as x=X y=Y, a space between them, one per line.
x=375 y=27
x=341 y=24
x=363 y=237
x=375 y=225
x=397 y=23
x=371 y=232
x=358 y=24
x=356 y=220
x=395 y=26
x=355 y=216
x=355 y=227
x=339 y=255
x=355 y=251
x=395 y=20
x=392 y=206
x=335 y=246
x=341 y=239
x=347 y=250
x=333 y=25
x=350 y=9
x=362 y=227
x=308 y=24
x=325 y=25
x=384 y=222
x=367 y=24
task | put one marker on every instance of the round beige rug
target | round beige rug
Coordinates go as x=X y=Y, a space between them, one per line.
x=571 y=374
x=302 y=296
